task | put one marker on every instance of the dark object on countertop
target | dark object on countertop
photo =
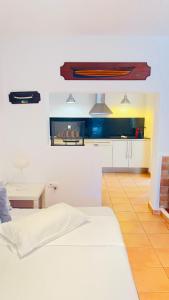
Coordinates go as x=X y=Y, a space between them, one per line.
x=138 y=133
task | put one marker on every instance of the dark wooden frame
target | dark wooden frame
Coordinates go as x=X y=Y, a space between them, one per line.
x=26 y=97
x=105 y=70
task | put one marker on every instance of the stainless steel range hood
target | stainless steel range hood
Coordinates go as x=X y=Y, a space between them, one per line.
x=100 y=108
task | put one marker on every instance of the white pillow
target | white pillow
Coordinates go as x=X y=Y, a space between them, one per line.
x=34 y=231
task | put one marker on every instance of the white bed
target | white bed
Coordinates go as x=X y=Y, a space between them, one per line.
x=89 y=263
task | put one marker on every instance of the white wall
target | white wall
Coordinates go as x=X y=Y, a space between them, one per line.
x=34 y=64
x=149 y=113
x=2 y=118
x=85 y=101
x=141 y=106
x=59 y=108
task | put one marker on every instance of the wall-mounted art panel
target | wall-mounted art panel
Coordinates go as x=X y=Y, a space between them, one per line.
x=26 y=97
x=105 y=70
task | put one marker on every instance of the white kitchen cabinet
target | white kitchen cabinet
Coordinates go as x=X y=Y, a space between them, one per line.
x=105 y=149
x=131 y=153
x=139 y=154
x=106 y=155
x=120 y=154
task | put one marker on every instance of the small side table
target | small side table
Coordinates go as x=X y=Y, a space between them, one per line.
x=26 y=195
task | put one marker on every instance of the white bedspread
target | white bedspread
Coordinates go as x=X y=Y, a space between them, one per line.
x=89 y=263
x=99 y=231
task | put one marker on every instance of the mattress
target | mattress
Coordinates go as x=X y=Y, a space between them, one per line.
x=89 y=263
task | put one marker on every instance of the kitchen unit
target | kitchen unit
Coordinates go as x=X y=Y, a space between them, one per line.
x=131 y=153
x=96 y=128
x=123 y=153
x=120 y=141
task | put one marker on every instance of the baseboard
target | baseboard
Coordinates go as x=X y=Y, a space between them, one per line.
x=154 y=211
x=125 y=170
x=165 y=215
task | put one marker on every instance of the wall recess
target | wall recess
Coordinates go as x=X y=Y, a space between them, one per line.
x=105 y=70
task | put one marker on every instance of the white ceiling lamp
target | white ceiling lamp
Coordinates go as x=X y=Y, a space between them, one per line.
x=70 y=99
x=125 y=100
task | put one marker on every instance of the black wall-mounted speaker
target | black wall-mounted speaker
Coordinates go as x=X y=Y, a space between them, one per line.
x=24 y=97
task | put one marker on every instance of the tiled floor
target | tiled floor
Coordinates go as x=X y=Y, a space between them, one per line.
x=146 y=236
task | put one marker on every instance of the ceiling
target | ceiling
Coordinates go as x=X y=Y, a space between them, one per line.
x=84 y=17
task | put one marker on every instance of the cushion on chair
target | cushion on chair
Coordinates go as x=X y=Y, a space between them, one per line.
x=4 y=205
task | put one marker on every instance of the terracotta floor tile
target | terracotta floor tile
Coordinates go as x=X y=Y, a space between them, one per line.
x=111 y=180
x=159 y=240
x=117 y=195
x=114 y=193
x=144 y=190
x=131 y=227
x=126 y=182
x=129 y=189
x=151 y=280
x=106 y=200
x=113 y=186
x=167 y=272
x=154 y=227
x=119 y=200
x=129 y=195
x=148 y=216
x=138 y=200
x=143 y=180
x=163 y=255
x=154 y=296
x=104 y=194
x=128 y=186
x=133 y=194
x=104 y=204
x=122 y=207
x=146 y=257
x=141 y=207
x=137 y=194
x=136 y=240
x=166 y=223
x=126 y=216
x=115 y=189
x=143 y=183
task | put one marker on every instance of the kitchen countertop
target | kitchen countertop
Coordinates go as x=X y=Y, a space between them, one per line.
x=116 y=138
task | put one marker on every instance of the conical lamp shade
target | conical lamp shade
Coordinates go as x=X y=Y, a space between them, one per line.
x=125 y=100
x=70 y=99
